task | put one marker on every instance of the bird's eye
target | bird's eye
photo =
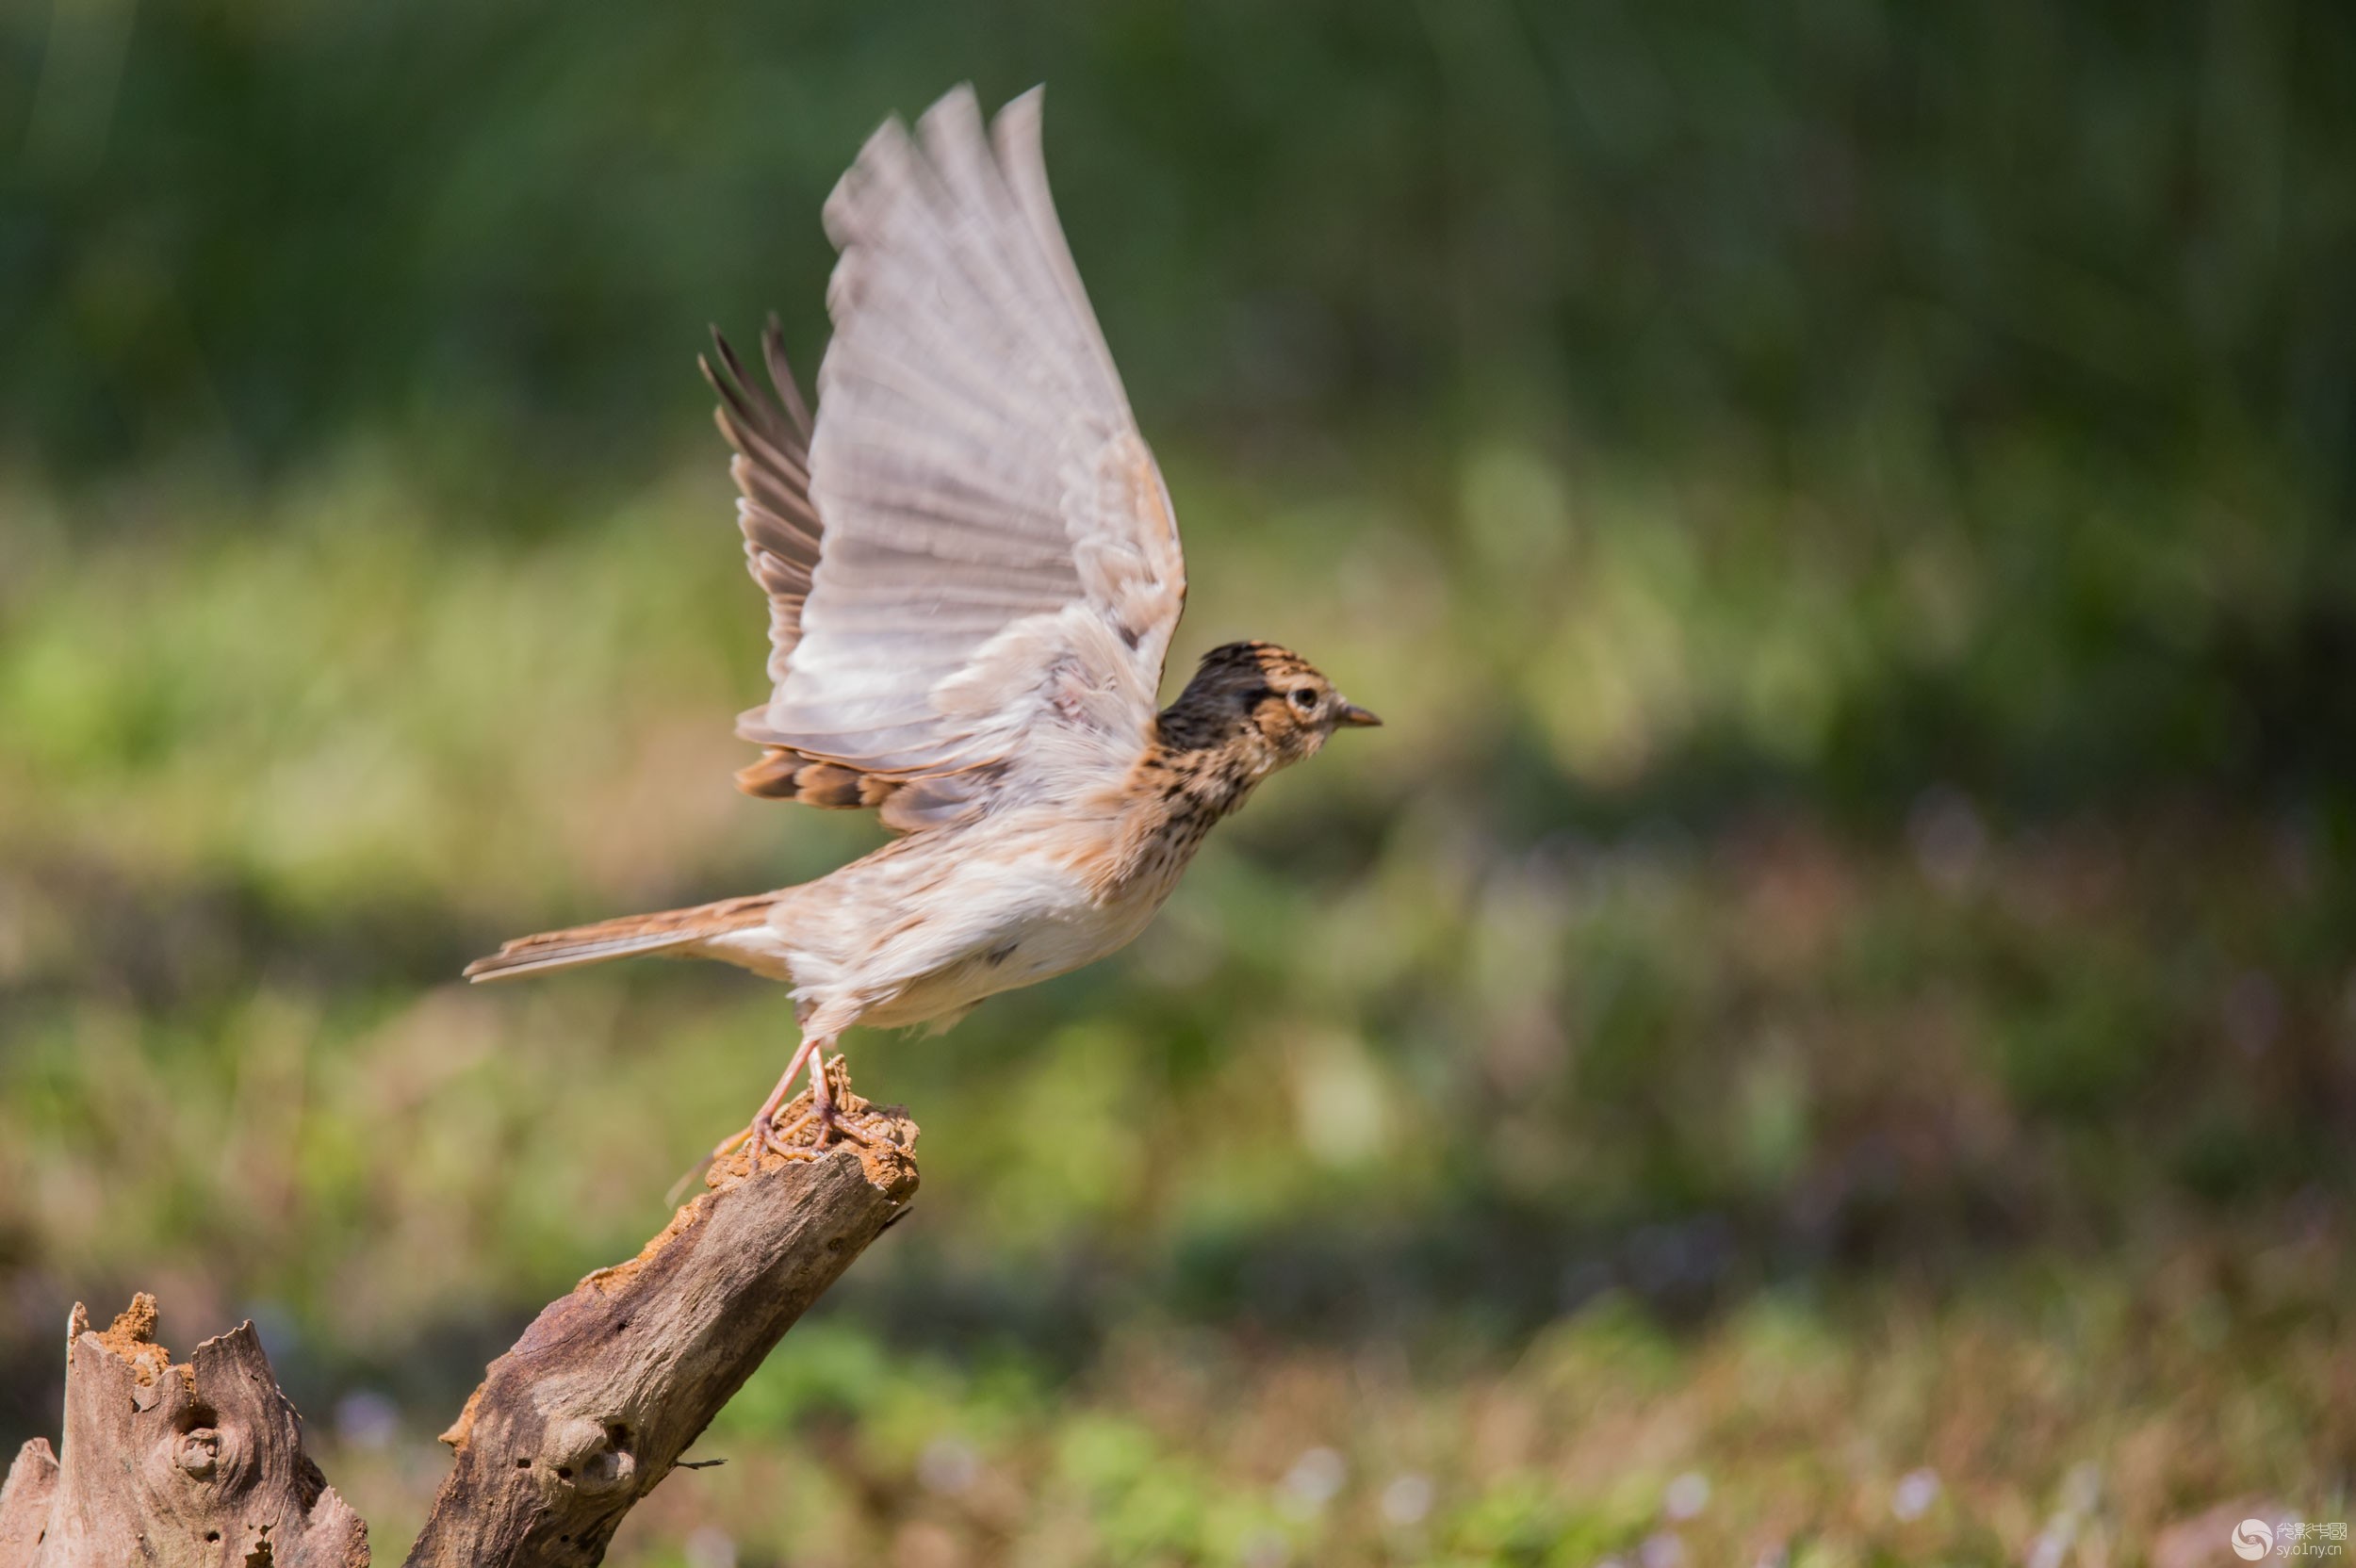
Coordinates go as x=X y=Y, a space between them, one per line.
x=1304 y=698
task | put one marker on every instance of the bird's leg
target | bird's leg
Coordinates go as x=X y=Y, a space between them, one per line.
x=822 y=1100
x=832 y=1116
x=765 y=1132
x=765 y=1129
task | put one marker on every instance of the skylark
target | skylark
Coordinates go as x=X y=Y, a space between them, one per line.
x=973 y=574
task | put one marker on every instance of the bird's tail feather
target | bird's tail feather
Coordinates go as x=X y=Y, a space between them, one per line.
x=662 y=932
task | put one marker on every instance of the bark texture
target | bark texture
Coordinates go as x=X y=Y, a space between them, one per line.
x=203 y=1465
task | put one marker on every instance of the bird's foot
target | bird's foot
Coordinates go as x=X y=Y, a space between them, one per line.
x=806 y=1135
x=776 y=1138
x=763 y=1136
x=830 y=1085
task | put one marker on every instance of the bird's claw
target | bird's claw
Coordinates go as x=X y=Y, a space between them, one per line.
x=831 y=1122
x=771 y=1136
x=764 y=1136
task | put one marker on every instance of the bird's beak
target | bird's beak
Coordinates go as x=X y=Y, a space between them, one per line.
x=1357 y=716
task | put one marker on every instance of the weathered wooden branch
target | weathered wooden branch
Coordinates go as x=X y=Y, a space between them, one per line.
x=203 y=1464
x=608 y=1387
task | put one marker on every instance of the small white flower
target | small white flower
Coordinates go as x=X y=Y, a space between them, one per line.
x=1406 y=1500
x=1316 y=1477
x=1916 y=1491
x=947 y=1466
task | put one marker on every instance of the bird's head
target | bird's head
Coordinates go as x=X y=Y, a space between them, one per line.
x=1264 y=700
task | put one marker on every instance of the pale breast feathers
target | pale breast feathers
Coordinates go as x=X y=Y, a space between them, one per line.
x=971 y=563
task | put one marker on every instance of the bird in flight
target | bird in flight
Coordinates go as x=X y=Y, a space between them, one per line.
x=973 y=574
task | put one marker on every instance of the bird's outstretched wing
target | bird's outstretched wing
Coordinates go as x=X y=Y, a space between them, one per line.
x=972 y=567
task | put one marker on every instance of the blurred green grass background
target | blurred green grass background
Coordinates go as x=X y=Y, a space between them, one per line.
x=1823 y=1031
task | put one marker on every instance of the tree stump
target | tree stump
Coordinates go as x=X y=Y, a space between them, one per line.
x=201 y=1465
x=198 y=1463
